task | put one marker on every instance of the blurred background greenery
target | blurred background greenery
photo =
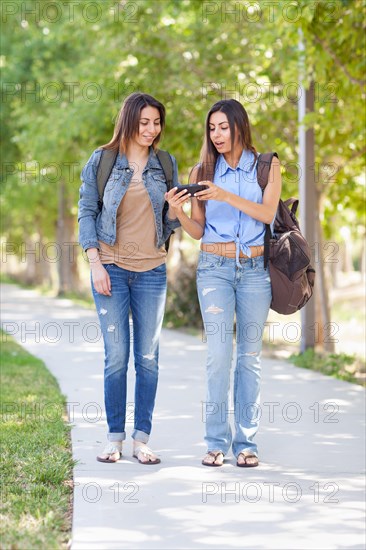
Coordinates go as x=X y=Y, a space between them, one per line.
x=66 y=68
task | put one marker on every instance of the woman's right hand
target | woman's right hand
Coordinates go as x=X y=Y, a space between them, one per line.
x=101 y=279
x=176 y=202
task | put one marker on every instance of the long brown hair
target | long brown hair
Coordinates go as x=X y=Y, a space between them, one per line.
x=238 y=122
x=128 y=120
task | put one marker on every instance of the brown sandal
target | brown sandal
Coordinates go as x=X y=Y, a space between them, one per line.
x=246 y=464
x=215 y=455
x=111 y=454
x=147 y=453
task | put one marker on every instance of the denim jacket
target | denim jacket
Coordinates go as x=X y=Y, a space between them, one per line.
x=99 y=223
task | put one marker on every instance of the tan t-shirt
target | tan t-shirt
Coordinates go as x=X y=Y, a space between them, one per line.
x=134 y=248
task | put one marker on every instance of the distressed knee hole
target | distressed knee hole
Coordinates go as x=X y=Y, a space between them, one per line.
x=214 y=309
x=207 y=291
x=149 y=356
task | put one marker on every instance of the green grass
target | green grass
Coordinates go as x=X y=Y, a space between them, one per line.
x=339 y=365
x=6 y=279
x=36 y=460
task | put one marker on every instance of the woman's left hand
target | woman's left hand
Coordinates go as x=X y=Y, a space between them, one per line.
x=213 y=192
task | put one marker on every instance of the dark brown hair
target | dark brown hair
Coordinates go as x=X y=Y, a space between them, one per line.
x=128 y=120
x=238 y=123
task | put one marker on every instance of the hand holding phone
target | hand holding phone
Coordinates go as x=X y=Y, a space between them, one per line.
x=192 y=188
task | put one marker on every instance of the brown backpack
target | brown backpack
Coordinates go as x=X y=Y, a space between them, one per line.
x=286 y=252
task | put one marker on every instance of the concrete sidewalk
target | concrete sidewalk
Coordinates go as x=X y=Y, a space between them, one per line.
x=306 y=493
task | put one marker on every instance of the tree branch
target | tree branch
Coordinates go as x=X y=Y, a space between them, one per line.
x=338 y=62
x=326 y=183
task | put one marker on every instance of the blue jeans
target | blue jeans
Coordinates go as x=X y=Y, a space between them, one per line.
x=143 y=293
x=224 y=289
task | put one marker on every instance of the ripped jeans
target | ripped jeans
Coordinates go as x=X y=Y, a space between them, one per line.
x=224 y=289
x=144 y=294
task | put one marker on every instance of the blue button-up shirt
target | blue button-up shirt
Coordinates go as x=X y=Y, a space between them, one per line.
x=225 y=223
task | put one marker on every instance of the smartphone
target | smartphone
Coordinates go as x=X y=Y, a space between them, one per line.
x=192 y=188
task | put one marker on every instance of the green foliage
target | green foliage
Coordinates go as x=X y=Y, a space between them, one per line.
x=36 y=466
x=182 y=307
x=82 y=66
x=338 y=365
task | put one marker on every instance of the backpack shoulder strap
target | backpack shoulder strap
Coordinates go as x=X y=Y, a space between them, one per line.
x=106 y=163
x=167 y=165
x=263 y=168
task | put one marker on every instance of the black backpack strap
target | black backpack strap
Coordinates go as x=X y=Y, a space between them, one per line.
x=263 y=168
x=267 y=238
x=106 y=163
x=167 y=165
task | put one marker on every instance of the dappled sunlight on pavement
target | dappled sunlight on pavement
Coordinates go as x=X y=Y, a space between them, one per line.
x=306 y=493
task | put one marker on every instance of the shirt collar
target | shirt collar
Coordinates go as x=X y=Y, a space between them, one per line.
x=245 y=163
x=121 y=161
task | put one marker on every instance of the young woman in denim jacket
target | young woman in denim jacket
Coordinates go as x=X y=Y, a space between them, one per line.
x=124 y=241
x=230 y=216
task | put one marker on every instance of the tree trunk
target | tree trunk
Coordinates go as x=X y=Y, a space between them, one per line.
x=363 y=261
x=30 y=261
x=175 y=254
x=42 y=266
x=348 y=262
x=323 y=310
x=68 y=276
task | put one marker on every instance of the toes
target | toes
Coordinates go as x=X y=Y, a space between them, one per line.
x=145 y=457
x=247 y=459
x=211 y=459
x=142 y=458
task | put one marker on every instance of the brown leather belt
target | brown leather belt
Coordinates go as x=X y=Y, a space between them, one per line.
x=229 y=251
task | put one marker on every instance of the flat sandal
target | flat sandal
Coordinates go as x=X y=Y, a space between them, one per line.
x=245 y=464
x=111 y=453
x=214 y=454
x=147 y=453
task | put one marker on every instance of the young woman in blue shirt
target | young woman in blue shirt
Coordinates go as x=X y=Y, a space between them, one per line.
x=230 y=217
